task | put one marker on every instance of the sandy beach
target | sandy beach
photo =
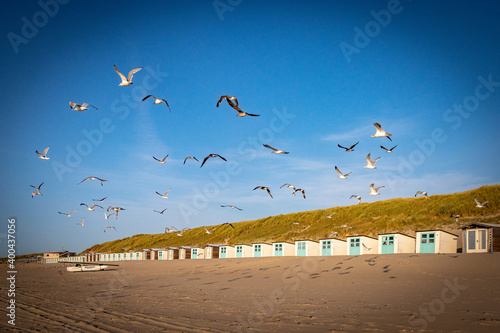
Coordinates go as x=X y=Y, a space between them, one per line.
x=372 y=293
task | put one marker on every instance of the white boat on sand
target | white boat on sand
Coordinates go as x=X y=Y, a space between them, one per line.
x=86 y=268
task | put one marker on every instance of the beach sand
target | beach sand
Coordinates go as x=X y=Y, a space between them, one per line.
x=371 y=293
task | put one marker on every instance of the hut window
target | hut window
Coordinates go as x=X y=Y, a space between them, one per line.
x=431 y=238
x=239 y=249
x=327 y=244
x=223 y=250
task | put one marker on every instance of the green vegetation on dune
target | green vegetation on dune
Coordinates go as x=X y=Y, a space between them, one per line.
x=405 y=215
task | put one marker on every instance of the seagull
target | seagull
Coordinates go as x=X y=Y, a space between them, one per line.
x=116 y=209
x=357 y=197
x=366 y=247
x=169 y=230
x=232 y=226
x=423 y=193
x=341 y=175
x=67 y=214
x=328 y=216
x=295 y=223
x=107 y=228
x=374 y=191
x=80 y=107
x=388 y=150
x=233 y=207
x=456 y=216
x=157 y=101
x=275 y=151
x=164 y=196
x=187 y=158
x=380 y=132
x=478 y=203
x=370 y=164
x=44 y=155
x=160 y=212
x=37 y=192
x=208 y=231
x=100 y=200
x=234 y=105
x=333 y=233
x=161 y=161
x=264 y=188
x=288 y=185
x=344 y=226
x=300 y=190
x=211 y=155
x=90 y=208
x=81 y=223
x=350 y=148
x=106 y=216
x=180 y=233
x=126 y=81
x=94 y=178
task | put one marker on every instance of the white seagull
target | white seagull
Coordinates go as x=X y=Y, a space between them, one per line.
x=357 y=197
x=100 y=200
x=366 y=247
x=208 y=231
x=164 y=196
x=157 y=101
x=94 y=178
x=370 y=164
x=333 y=233
x=107 y=228
x=169 y=230
x=423 y=193
x=126 y=81
x=162 y=161
x=388 y=150
x=81 y=223
x=374 y=190
x=181 y=233
x=106 y=216
x=234 y=105
x=90 y=208
x=267 y=189
x=160 y=211
x=230 y=206
x=37 y=190
x=67 y=214
x=187 y=158
x=116 y=209
x=341 y=175
x=380 y=132
x=328 y=216
x=350 y=148
x=210 y=156
x=288 y=185
x=44 y=155
x=274 y=150
x=80 y=107
x=478 y=203
x=300 y=190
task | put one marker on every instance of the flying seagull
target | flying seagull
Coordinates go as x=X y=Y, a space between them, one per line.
x=230 y=206
x=81 y=223
x=374 y=190
x=44 y=155
x=100 y=200
x=274 y=150
x=160 y=211
x=157 y=101
x=106 y=216
x=423 y=193
x=300 y=190
x=107 y=228
x=181 y=233
x=232 y=226
x=94 y=178
x=90 y=208
x=456 y=216
x=164 y=196
x=478 y=203
x=341 y=175
x=370 y=164
x=37 y=190
x=328 y=216
x=357 y=197
x=380 y=132
x=80 y=107
x=67 y=214
x=211 y=155
x=162 y=160
x=208 y=231
x=264 y=188
x=366 y=247
x=388 y=150
x=169 y=230
x=234 y=105
x=126 y=81
x=116 y=209
x=350 y=148
x=187 y=158
x=288 y=185
x=333 y=233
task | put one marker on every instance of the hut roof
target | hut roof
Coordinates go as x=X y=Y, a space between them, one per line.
x=479 y=224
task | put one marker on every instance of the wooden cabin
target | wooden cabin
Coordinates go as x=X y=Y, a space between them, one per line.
x=283 y=249
x=395 y=243
x=436 y=241
x=185 y=252
x=173 y=253
x=481 y=237
x=262 y=250
x=357 y=245
x=212 y=251
x=332 y=247
x=306 y=247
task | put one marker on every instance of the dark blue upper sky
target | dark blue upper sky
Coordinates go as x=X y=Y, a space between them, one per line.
x=319 y=74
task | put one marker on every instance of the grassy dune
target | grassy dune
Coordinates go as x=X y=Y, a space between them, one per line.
x=395 y=215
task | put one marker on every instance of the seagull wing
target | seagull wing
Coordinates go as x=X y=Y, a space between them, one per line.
x=268 y=146
x=204 y=160
x=477 y=201
x=72 y=105
x=378 y=127
x=354 y=145
x=385 y=148
x=394 y=147
x=132 y=72
x=342 y=147
x=220 y=100
x=145 y=98
x=268 y=191
x=46 y=150
x=222 y=158
x=337 y=169
x=124 y=79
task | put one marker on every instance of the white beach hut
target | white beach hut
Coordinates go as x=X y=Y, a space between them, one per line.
x=436 y=241
x=283 y=249
x=357 y=245
x=395 y=243
x=262 y=250
x=243 y=251
x=185 y=252
x=306 y=247
x=332 y=247
x=227 y=251
x=197 y=253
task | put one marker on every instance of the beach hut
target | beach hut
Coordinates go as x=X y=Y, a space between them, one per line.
x=481 y=237
x=436 y=241
x=262 y=250
x=395 y=243
x=185 y=252
x=332 y=247
x=283 y=249
x=357 y=245
x=226 y=251
x=212 y=251
x=173 y=253
x=306 y=247
x=243 y=251
x=159 y=254
x=197 y=253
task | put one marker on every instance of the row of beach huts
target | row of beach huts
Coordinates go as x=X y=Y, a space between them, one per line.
x=476 y=237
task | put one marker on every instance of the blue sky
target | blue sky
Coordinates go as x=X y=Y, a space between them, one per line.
x=427 y=72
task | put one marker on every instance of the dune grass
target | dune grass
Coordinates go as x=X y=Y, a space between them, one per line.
x=405 y=215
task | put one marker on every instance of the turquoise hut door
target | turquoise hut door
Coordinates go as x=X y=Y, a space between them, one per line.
x=326 y=248
x=354 y=249
x=239 y=251
x=387 y=244
x=278 y=250
x=257 y=251
x=194 y=253
x=428 y=242
x=222 y=252
x=301 y=249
